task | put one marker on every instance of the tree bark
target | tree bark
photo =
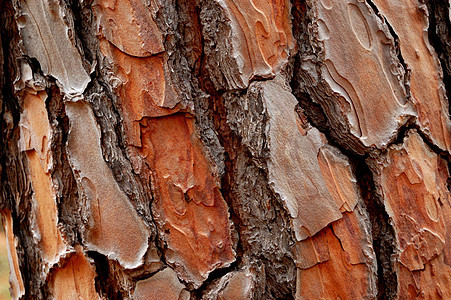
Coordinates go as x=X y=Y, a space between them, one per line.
x=227 y=149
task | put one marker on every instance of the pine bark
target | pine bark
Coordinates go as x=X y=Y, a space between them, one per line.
x=227 y=149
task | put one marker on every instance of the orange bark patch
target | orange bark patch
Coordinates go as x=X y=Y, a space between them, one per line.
x=15 y=276
x=414 y=195
x=338 y=264
x=132 y=42
x=358 y=66
x=35 y=138
x=162 y=286
x=239 y=287
x=74 y=280
x=417 y=200
x=434 y=282
x=129 y=25
x=262 y=37
x=144 y=91
x=189 y=206
x=355 y=238
x=410 y=24
x=46 y=212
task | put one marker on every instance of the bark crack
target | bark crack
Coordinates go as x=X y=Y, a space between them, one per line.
x=406 y=68
x=381 y=230
x=15 y=186
x=243 y=193
x=439 y=33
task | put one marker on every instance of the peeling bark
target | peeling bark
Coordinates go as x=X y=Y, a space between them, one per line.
x=74 y=279
x=412 y=179
x=15 y=276
x=226 y=149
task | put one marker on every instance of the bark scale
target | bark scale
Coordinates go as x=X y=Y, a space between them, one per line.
x=226 y=149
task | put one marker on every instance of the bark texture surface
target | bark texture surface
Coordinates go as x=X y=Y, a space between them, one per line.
x=226 y=149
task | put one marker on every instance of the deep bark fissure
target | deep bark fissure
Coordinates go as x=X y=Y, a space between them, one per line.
x=82 y=32
x=236 y=151
x=407 y=71
x=381 y=229
x=172 y=23
x=15 y=186
x=67 y=196
x=439 y=33
x=212 y=277
x=383 y=234
x=261 y=227
x=106 y=283
x=239 y=213
x=205 y=120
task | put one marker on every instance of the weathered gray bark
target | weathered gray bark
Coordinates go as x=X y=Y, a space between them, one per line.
x=226 y=149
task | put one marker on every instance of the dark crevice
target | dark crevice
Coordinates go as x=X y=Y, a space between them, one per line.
x=439 y=33
x=189 y=25
x=212 y=277
x=407 y=71
x=402 y=133
x=67 y=197
x=431 y=145
x=384 y=243
x=242 y=194
x=382 y=231
x=440 y=38
x=105 y=282
x=147 y=275
x=247 y=197
x=15 y=185
x=381 y=228
x=82 y=32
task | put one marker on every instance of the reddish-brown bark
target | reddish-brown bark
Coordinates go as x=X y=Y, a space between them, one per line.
x=225 y=149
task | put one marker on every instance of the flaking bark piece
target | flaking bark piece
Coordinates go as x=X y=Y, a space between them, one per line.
x=35 y=139
x=112 y=218
x=359 y=80
x=256 y=41
x=75 y=279
x=48 y=36
x=409 y=19
x=313 y=179
x=413 y=182
x=164 y=285
x=189 y=209
x=348 y=271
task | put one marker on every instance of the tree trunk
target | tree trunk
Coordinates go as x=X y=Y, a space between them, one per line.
x=227 y=149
